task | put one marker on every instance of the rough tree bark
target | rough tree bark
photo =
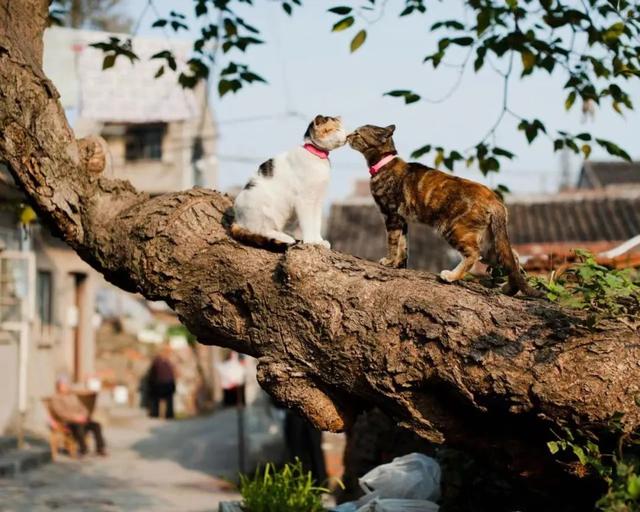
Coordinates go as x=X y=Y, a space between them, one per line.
x=332 y=333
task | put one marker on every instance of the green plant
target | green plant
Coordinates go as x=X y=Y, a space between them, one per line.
x=587 y=285
x=290 y=489
x=618 y=470
x=181 y=330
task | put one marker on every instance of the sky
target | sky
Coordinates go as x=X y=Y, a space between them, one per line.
x=311 y=71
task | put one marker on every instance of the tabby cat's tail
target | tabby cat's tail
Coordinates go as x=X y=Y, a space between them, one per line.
x=506 y=257
x=245 y=236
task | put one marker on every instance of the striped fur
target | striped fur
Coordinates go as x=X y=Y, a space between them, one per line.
x=470 y=216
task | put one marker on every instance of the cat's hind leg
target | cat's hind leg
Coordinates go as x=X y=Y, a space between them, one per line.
x=470 y=250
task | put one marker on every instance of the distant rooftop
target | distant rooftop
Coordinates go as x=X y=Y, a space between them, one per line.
x=608 y=174
x=125 y=93
x=611 y=215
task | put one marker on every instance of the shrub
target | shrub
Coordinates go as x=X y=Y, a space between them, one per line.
x=290 y=489
x=618 y=468
x=587 y=285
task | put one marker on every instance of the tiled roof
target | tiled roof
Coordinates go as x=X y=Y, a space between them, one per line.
x=356 y=227
x=575 y=217
x=606 y=174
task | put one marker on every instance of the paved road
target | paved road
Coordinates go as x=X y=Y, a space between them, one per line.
x=153 y=466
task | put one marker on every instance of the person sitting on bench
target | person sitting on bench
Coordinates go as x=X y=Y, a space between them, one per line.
x=68 y=408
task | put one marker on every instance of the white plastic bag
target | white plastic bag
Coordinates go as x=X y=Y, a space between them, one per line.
x=413 y=476
x=406 y=484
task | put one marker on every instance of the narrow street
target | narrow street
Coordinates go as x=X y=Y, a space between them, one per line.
x=153 y=465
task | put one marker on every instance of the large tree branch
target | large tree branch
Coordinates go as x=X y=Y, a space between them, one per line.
x=332 y=333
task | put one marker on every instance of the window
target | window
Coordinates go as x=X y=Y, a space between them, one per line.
x=144 y=141
x=44 y=290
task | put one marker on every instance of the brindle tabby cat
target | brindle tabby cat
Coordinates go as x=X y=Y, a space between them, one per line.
x=470 y=216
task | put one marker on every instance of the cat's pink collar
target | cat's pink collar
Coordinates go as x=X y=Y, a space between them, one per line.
x=320 y=153
x=375 y=169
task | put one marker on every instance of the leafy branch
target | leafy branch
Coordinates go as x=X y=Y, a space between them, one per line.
x=595 y=43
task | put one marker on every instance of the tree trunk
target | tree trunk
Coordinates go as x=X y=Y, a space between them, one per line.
x=333 y=333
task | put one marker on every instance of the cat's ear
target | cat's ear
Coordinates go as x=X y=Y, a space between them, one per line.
x=319 y=120
x=390 y=129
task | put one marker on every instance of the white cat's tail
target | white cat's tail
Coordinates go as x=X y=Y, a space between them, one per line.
x=242 y=234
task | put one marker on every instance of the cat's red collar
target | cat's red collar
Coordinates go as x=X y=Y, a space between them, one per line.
x=375 y=168
x=320 y=153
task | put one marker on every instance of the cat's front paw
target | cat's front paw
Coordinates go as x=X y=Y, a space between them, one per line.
x=447 y=276
x=319 y=241
x=387 y=262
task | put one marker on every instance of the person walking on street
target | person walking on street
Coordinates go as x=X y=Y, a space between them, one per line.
x=162 y=383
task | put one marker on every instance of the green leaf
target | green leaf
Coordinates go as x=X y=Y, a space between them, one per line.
x=579 y=452
x=201 y=9
x=342 y=10
x=463 y=41
x=528 y=60
x=358 y=40
x=411 y=98
x=613 y=149
x=251 y=77
x=287 y=8
x=224 y=86
x=439 y=158
x=492 y=164
x=397 y=93
x=633 y=486
x=421 y=151
x=613 y=32
x=479 y=62
x=159 y=23
x=343 y=24
x=553 y=447
x=109 y=61
x=160 y=72
x=483 y=19
x=503 y=152
x=568 y=103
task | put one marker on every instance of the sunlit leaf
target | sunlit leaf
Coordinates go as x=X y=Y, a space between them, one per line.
x=343 y=24
x=358 y=40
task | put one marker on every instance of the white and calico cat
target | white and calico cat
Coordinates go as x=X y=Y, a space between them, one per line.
x=292 y=182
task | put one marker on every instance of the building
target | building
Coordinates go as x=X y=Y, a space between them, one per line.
x=161 y=137
x=46 y=314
